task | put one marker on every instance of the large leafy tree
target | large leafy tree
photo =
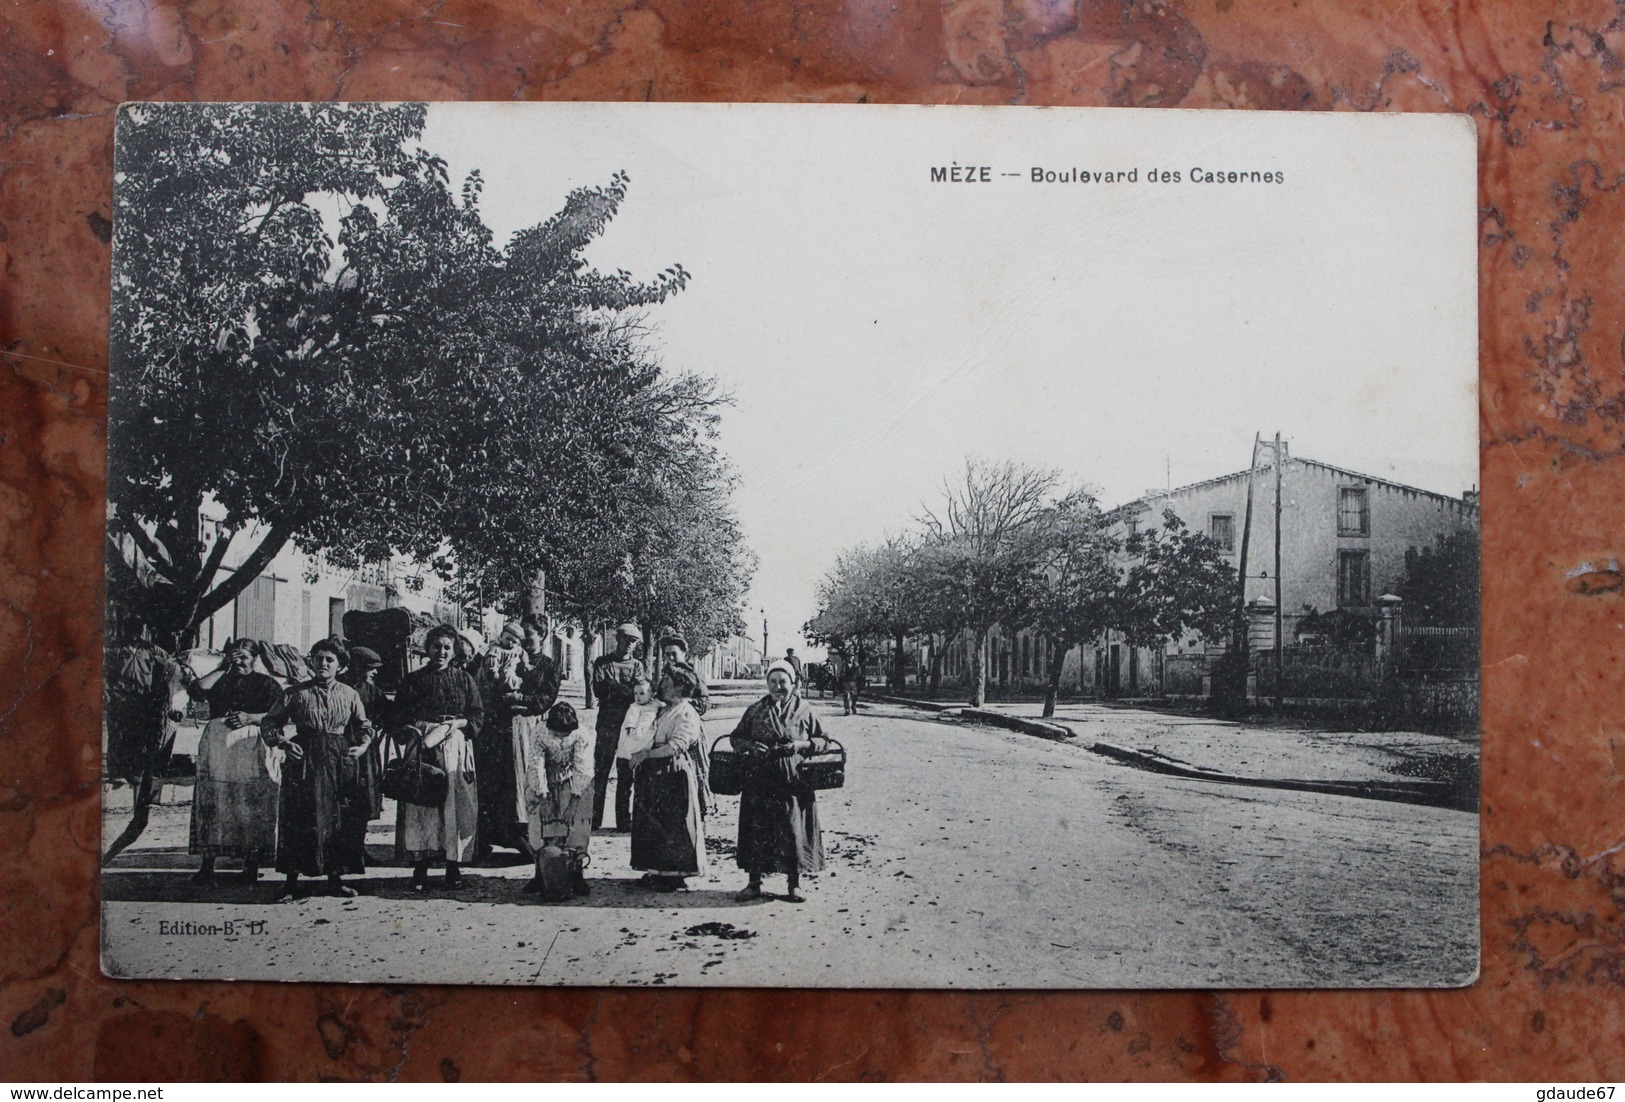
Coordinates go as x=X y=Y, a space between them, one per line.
x=1178 y=582
x=665 y=548
x=314 y=336
x=980 y=561
x=872 y=592
x=1076 y=595
x=1440 y=586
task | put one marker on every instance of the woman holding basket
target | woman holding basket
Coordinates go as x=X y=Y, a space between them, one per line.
x=778 y=812
x=442 y=707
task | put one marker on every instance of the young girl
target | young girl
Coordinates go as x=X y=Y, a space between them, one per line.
x=558 y=789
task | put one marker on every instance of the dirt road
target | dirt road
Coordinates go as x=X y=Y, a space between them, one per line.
x=959 y=856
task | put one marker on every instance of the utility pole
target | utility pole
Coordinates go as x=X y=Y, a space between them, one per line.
x=1279 y=687
x=1242 y=641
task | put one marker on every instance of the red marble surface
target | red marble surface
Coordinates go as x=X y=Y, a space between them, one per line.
x=1546 y=86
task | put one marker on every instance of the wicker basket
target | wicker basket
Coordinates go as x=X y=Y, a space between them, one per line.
x=825 y=768
x=727 y=771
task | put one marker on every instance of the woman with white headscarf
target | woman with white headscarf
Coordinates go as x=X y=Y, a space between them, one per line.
x=778 y=812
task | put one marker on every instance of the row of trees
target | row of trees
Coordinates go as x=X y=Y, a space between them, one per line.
x=315 y=338
x=1008 y=547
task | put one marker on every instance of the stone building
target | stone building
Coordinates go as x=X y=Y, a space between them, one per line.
x=1344 y=541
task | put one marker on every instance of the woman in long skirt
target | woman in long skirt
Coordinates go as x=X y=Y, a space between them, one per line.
x=362 y=676
x=668 y=831
x=321 y=816
x=443 y=699
x=234 y=800
x=778 y=813
x=499 y=675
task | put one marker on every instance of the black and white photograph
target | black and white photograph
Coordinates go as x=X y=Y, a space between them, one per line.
x=770 y=545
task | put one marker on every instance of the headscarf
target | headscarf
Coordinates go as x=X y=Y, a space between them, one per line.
x=785 y=708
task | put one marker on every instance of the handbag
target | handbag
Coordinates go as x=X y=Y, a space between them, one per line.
x=414 y=779
x=726 y=770
x=824 y=768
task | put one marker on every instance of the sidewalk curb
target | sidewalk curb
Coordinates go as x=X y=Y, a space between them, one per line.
x=1052 y=731
x=909 y=702
x=1428 y=793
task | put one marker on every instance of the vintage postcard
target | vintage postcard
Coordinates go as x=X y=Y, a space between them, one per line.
x=810 y=546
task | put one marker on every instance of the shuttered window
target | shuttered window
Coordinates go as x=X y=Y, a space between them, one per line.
x=1353 y=578
x=1353 y=512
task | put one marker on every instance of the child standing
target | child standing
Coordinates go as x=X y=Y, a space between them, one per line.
x=558 y=789
x=636 y=734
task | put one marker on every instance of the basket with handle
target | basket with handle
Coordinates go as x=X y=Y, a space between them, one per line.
x=414 y=777
x=825 y=767
x=727 y=769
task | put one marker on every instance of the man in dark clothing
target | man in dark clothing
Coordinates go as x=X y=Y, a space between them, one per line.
x=795 y=664
x=843 y=675
x=614 y=677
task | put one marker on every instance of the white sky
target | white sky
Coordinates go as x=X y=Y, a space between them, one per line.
x=875 y=328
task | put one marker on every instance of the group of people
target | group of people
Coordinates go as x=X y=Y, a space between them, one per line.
x=295 y=774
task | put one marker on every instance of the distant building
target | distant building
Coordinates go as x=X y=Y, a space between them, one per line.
x=735 y=657
x=1344 y=541
x=299 y=598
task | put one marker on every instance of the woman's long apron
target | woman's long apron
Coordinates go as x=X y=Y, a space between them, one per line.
x=322 y=812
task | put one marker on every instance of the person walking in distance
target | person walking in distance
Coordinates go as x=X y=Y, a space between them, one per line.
x=795 y=664
x=614 y=677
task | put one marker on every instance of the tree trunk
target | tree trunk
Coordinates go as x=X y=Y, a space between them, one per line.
x=144 y=796
x=587 y=640
x=214 y=600
x=936 y=665
x=899 y=663
x=1057 y=662
x=978 y=689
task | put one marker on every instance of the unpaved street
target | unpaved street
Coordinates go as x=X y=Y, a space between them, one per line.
x=959 y=855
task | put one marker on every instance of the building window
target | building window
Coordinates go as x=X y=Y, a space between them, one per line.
x=1353 y=512
x=1353 y=578
x=1222 y=528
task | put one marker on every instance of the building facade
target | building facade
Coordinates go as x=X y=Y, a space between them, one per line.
x=1345 y=538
